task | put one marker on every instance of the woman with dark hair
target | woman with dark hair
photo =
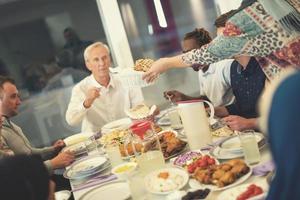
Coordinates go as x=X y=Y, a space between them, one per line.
x=25 y=178
x=271 y=35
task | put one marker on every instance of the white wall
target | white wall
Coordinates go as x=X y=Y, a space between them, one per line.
x=227 y=5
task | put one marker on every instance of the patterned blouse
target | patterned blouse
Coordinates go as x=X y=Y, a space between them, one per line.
x=253 y=32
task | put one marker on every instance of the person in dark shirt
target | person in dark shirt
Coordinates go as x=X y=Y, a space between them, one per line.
x=247 y=82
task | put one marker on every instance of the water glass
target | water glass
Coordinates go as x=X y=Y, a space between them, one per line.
x=114 y=154
x=136 y=185
x=91 y=146
x=250 y=146
x=175 y=119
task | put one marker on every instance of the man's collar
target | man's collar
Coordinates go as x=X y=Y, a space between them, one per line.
x=95 y=83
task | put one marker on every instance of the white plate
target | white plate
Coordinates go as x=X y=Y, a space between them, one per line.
x=86 y=167
x=77 y=149
x=233 y=143
x=224 y=154
x=77 y=138
x=165 y=121
x=62 y=195
x=177 y=179
x=112 y=190
x=233 y=193
x=118 y=124
x=193 y=183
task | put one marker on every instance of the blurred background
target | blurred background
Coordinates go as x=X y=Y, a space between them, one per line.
x=42 y=44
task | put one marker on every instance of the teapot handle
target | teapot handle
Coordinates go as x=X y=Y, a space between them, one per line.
x=212 y=112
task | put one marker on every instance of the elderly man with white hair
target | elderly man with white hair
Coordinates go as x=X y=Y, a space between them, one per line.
x=100 y=98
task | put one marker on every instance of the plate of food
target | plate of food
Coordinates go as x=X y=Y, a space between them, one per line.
x=249 y=191
x=116 y=190
x=194 y=159
x=120 y=124
x=132 y=77
x=141 y=112
x=86 y=167
x=171 y=145
x=166 y=180
x=222 y=176
x=77 y=138
x=224 y=131
x=115 y=136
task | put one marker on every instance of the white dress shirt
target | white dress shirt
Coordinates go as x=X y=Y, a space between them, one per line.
x=215 y=83
x=106 y=108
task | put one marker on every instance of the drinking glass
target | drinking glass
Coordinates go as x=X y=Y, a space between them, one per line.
x=136 y=185
x=250 y=146
x=91 y=146
x=113 y=153
x=175 y=119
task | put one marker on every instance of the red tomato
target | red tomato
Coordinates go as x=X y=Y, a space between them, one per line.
x=211 y=161
x=258 y=191
x=206 y=157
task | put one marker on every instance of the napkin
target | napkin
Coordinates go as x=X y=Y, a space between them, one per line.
x=97 y=180
x=264 y=168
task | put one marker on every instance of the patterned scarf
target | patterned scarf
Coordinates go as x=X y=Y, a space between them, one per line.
x=283 y=12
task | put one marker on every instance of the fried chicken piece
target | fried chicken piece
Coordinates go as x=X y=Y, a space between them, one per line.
x=225 y=167
x=218 y=174
x=129 y=149
x=204 y=175
x=226 y=179
x=235 y=162
x=240 y=170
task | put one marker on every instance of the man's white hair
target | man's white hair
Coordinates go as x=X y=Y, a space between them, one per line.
x=87 y=50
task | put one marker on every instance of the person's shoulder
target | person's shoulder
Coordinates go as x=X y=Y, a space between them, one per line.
x=222 y=64
x=83 y=83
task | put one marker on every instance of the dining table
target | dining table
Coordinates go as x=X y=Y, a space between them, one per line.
x=80 y=189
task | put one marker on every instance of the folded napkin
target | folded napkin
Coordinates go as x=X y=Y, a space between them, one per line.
x=264 y=168
x=97 y=180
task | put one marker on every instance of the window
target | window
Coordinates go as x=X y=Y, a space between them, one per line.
x=41 y=47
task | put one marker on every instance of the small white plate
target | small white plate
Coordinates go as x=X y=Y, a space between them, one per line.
x=233 y=193
x=113 y=190
x=177 y=179
x=193 y=183
x=77 y=149
x=62 y=195
x=118 y=124
x=77 y=138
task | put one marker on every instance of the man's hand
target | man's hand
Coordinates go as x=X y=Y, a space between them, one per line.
x=174 y=95
x=92 y=94
x=58 y=145
x=63 y=159
x=239 y=123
